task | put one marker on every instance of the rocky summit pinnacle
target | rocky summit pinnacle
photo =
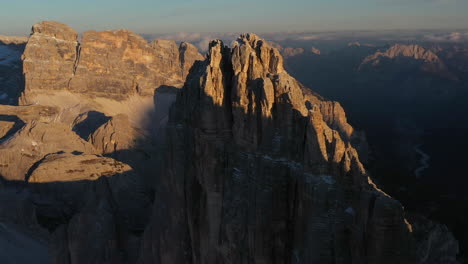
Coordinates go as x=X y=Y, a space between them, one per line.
x=260 y=170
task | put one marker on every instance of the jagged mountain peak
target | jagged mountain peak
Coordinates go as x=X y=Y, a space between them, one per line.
x=408 y=58
x=250 y=150
x=54 y=29
x=401 y=50
x=415 y=51
x=265 y=55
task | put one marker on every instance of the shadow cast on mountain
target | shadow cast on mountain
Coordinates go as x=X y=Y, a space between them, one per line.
x=90 y=123
x=11 y=74
x=119 y=203
x=233 y=173
x=17 y=125
x=145 y=154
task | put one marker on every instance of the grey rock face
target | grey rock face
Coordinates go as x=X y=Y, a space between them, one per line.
x=258 y=170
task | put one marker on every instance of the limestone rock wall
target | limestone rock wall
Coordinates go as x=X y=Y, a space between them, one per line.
x=111 y=64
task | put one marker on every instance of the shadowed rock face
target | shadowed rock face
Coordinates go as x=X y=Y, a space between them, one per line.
x=11 y=78
x=111 y=64
x=258 y=170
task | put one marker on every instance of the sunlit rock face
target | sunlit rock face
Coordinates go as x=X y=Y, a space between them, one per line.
x=49 y=57
x=259 y=170
x=113 y=64
x=115 y=76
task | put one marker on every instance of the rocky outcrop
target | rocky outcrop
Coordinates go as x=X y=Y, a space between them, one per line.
x=258 y=170
x=188 y=55
x=335 y=117
x=435 y=243
x=66 y=167
x=111 y=64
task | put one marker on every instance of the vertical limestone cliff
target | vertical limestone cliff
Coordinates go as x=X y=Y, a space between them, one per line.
x=49 y=57
x=259 y=170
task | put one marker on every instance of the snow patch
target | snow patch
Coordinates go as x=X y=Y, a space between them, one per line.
x=237 y=174
x=311 y=178
x=327 y=179
x=350 y=211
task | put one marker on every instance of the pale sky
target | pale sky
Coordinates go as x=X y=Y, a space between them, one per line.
x=145 y=16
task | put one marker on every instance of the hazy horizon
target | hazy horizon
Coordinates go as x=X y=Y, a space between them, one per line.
x=208 y=16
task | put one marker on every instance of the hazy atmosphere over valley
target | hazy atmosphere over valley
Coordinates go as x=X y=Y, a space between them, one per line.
x=208 y=132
